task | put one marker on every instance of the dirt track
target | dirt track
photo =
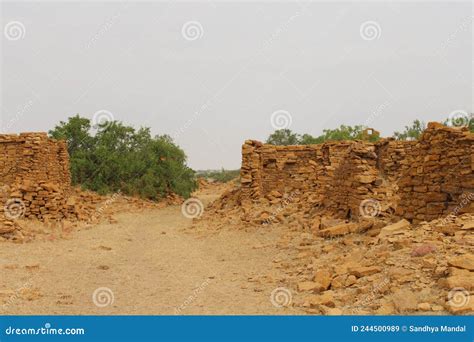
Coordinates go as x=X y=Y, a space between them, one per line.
x=151 y=263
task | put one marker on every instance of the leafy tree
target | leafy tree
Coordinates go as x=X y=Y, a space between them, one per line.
x=343 y=132
x=121 y=158
x=308 y=139
x=283 y=137
x=75 y=132
x=412 y=132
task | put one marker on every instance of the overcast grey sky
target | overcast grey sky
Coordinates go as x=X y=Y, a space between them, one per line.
x=211 y=74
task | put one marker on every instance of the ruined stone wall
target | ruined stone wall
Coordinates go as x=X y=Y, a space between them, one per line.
x=309 y=168
x=419 y=180
x=34 y=177
x=439 y=176
x=394 y=157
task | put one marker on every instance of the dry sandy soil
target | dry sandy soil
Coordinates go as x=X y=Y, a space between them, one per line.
x=149 y=263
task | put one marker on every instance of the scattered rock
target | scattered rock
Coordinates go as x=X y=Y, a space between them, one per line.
x=338 y=230
x=339 y=282
x=463 y=261
x=423 y=250
x=424 y=306
x=437 y=308
x=396 y=228
x=364 y=271
x=468 y=225
x=460 y=280
x=326 y=299
x=386 y=309
x=312 y=286
x=323 y=277
x=404 y=301
x=350 y=280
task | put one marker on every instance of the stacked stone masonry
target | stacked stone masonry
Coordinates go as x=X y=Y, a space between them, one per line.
x=34 y=177
x=417 y=180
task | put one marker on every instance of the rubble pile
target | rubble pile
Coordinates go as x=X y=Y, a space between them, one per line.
x=83 y=209
x=368 y=228
x=406 y=268
x=35 y=185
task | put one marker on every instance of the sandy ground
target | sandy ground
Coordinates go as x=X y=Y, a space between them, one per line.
x=146 y=263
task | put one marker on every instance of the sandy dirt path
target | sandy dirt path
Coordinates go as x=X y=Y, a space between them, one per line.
x=148 y=262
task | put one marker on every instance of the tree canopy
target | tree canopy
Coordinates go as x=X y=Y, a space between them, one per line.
x=411 y=132
x=121 y=158
x=344 y=132
x=283 y=137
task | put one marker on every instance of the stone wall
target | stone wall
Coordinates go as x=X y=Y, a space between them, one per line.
x=418 y=180
x=34 y=177
x=439 y=175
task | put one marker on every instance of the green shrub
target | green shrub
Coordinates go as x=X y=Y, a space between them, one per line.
x=343 y=132
x=220 y=175
x=121 y=158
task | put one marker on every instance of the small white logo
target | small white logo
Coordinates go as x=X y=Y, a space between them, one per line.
x=14 y=30
x=14 y=208
x=370 y=30
x=281 y=297
x=369 y=208
x=281 y=119
x=192 y=30
x=192 y=208
x=102 y=118
x=459 y=118
x=458 y=297
x=102 y=297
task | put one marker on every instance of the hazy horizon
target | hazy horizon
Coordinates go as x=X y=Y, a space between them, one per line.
x=212 y=74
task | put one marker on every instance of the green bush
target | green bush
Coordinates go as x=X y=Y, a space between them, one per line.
x=284 y=137
x=220 y=175
x=343 y=132
x=412 y=132
x=121 y=158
